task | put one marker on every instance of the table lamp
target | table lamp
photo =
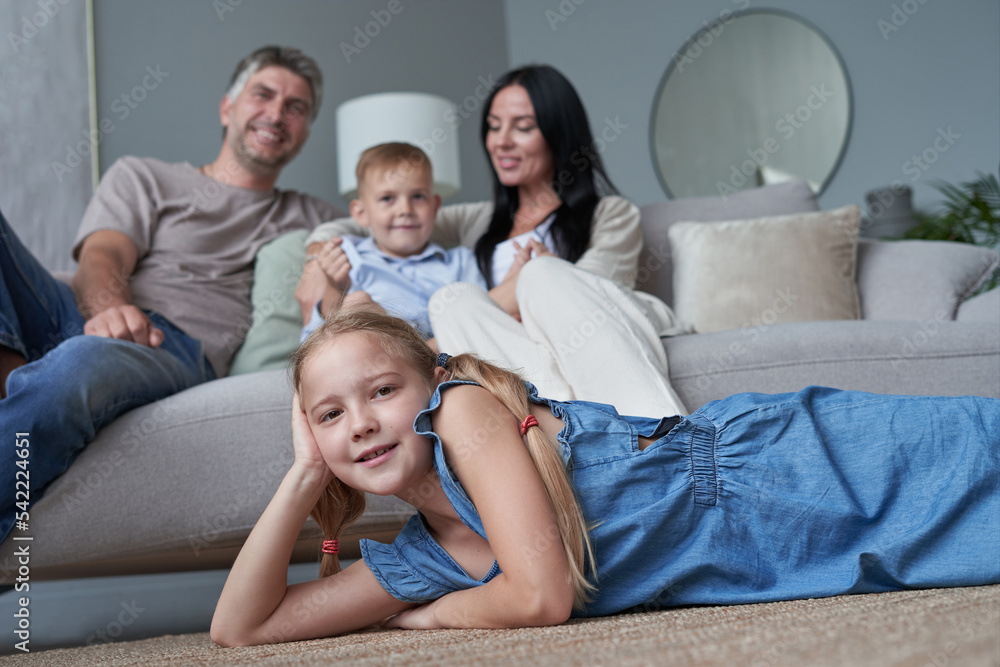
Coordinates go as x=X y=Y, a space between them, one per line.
x=415 y=118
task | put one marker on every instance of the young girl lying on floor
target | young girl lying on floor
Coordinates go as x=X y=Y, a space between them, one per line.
x=531 y=510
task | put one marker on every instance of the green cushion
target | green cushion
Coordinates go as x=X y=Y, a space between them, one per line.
x=277 y=318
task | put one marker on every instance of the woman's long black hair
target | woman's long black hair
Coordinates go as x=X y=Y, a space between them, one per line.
x=580 y=179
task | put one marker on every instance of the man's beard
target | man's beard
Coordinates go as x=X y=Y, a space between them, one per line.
x=262 y=164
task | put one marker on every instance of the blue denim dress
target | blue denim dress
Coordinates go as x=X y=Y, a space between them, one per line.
x=756 y=498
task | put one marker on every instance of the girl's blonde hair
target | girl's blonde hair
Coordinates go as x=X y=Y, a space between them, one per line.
x=341 y=505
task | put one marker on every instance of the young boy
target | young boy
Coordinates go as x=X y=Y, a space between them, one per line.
x=397 y=266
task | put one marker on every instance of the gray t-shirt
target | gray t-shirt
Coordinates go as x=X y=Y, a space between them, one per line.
x=197 y=239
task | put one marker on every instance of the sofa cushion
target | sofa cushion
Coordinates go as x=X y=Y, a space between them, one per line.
x=791 y=268
x=919 y=280
x=277 y=319
x=655 y=273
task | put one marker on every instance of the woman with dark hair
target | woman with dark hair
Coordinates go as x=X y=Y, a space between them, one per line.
x=559 y=249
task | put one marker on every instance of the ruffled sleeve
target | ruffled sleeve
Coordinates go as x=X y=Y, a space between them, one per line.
x=414 y=568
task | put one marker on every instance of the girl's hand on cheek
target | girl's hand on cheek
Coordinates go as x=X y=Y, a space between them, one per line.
x=418 y=618
x=307 y=452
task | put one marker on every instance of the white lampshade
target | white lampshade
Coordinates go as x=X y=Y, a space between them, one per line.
x=414 y=118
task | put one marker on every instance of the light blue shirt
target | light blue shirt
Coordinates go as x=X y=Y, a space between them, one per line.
x=403 y=285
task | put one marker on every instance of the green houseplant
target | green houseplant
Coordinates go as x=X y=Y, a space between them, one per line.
x=970 y=213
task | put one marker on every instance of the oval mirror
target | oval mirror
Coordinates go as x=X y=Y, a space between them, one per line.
x=757 y=97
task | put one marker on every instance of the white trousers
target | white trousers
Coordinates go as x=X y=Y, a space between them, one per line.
x=581 y=336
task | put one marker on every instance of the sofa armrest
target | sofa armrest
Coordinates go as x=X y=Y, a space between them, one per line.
x=919 y=280
x=982 y=308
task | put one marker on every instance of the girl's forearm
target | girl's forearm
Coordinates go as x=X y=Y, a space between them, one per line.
x=498 y=604
x=257 y=581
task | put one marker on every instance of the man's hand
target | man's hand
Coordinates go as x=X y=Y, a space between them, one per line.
x=125 y=322
x=101 y=284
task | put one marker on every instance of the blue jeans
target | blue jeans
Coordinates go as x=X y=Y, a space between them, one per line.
x=73 y=384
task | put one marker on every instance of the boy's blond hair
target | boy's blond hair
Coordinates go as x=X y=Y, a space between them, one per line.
x=394 y=156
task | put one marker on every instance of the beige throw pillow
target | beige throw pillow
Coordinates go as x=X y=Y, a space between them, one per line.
x=750 y=273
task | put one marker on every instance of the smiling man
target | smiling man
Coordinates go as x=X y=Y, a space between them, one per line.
x=161 y=295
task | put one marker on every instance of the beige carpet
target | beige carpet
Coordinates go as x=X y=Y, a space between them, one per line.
x=933 y=628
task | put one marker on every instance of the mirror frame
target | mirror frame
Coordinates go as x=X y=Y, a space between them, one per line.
x=726 y=17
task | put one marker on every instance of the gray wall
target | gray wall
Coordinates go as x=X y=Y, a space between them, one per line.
x=45 y=173
x=940 y=69
x=161 y=70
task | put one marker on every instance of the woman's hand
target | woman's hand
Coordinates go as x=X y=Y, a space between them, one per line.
x=505 y=293
x=307 y=453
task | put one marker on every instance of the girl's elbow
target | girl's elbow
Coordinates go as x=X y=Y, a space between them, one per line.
x=561 y=610
x=554 y=615
x=228 y=637
x=548 y=608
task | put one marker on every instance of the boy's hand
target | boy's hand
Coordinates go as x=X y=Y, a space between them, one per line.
x=333 y=260
x=312 y=284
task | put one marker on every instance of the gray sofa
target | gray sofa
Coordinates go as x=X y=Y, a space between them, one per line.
x=178 y=484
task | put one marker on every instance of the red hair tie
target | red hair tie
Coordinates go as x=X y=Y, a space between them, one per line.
x=528 y=422
x=331 y=546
